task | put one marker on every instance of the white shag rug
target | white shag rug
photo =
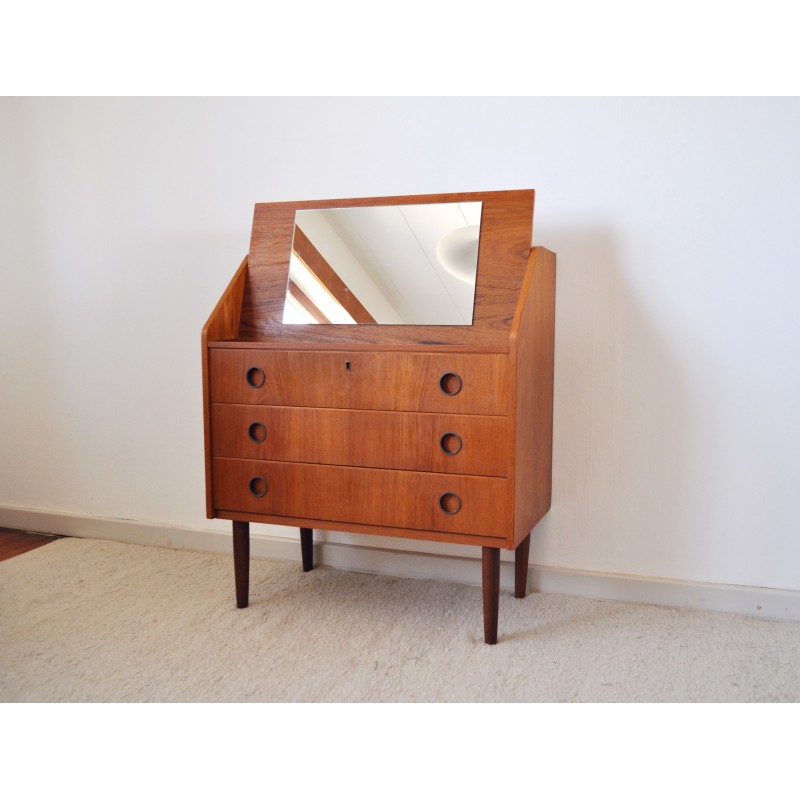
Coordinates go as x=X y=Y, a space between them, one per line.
x=85 y=620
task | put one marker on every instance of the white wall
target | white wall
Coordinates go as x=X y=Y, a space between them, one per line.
x=678 y=323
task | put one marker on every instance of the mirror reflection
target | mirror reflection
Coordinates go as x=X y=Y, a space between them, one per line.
x=391 y=265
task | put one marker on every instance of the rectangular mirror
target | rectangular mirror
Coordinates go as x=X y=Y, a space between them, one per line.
x=387 y=265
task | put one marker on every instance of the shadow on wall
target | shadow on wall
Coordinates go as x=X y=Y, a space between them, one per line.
x=618 y=439
x=621 y=422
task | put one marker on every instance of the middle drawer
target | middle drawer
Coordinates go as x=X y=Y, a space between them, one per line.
x=450 y=443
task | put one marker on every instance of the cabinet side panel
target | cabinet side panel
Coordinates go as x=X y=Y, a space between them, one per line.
x=533 y=349
x=207 y=428
x=222 y=324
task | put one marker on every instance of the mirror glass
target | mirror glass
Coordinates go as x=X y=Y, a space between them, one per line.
x=391 y=265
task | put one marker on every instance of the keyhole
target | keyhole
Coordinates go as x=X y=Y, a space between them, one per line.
x=347 y=365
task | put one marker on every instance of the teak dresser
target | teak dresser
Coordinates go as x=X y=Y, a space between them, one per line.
x=431 y=432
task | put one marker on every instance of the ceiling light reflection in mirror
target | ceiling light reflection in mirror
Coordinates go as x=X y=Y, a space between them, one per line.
x=391 y=265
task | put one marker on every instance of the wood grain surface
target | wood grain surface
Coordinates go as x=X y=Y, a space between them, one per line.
x=533 y=342
x=506 y=229
x=370 y=496
x=388 y=381
x=15 y=543
x=482 y=445
x=222 y=324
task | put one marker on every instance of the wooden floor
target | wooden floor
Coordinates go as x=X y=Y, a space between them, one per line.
x=14 y=543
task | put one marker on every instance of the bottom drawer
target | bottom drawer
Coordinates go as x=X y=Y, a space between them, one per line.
x=391 y=498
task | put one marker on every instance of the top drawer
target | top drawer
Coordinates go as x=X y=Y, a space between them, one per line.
x=457 y=384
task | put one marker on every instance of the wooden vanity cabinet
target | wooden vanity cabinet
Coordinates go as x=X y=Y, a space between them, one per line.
x=437 y=433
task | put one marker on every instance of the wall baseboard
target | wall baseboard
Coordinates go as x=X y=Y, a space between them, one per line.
x=776 y=604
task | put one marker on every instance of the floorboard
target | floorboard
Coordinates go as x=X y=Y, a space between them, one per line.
x=14 y=543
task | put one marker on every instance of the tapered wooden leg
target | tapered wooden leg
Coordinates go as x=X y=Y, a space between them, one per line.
x=307 y=548
x=521 y=567
x=491 y=593
x=241 y=562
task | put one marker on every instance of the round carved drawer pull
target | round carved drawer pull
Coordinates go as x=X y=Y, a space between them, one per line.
x=258 y=487
x=257 y=432
x=450 y=383
x=256 y=377
x=451 y=443
x=450 y=503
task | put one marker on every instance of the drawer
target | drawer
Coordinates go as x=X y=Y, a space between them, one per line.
x=454 y=443
x=438 y=382
x=417 y=500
